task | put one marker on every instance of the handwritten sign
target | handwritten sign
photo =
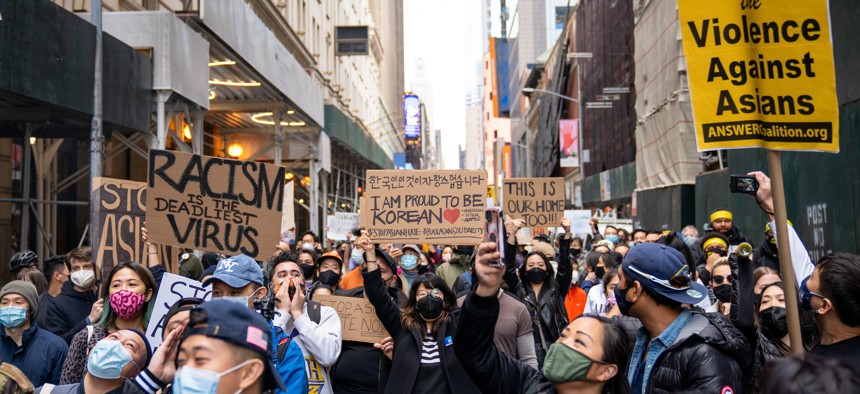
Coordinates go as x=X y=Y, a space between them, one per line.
x=538 y=201
x=357 y=318
x=437 y=207
x=288 y=213
x=209 y=203
x=121 y=205
x=173 y=288
x=579 y=219
x=340 y=224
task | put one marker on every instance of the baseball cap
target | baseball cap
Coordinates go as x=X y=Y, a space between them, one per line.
x=412 y=247
x=238 y=325
x=663 y=269
x=330 y=255
x=237 y=271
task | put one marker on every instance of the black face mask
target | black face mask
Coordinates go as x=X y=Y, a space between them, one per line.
x=723 y=293
x=536 y=275
x=430 y=307
x=423 y=269
x=329 y=278
x=575 y=252
x=599 y=271
x=773 y=322
x=307 y=271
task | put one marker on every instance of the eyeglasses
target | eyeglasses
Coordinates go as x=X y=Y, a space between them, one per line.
x=680 y=281
x=718 y=279
x=424 y=293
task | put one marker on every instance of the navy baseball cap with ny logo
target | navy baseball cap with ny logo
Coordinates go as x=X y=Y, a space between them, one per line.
x=237 y=271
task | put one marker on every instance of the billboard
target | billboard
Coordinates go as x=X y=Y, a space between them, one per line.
x=568 y=139
x=411 y=117
x=500 y=52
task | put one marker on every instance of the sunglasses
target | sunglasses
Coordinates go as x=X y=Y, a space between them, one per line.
x=679 y=281
x=718 y=279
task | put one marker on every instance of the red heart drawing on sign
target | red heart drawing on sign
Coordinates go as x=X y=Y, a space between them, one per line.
x=451 y=215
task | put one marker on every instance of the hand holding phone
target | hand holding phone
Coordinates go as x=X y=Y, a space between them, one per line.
x=743 y=184
x=495 y=230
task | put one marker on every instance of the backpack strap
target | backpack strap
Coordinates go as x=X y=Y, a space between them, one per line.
x=314 y=311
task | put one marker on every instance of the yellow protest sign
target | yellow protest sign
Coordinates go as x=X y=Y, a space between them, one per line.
x=761 y=74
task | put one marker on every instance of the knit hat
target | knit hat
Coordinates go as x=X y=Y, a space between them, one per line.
x=544 y=248
x=26 y=290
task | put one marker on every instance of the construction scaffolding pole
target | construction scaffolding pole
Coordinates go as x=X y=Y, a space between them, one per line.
x=96 y=136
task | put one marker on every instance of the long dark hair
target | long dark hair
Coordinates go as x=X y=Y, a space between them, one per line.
x=409 y=316
x=615 y=351
x=550 y=273
x=108 y=320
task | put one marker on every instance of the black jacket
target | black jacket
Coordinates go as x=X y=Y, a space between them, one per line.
x=40 y=356
x=408 y=344
x=68 y=311
x=736 y=238
x=360 y=367
x=491 y=370
x=766 y=256
x=547 y=311
x=707 y=356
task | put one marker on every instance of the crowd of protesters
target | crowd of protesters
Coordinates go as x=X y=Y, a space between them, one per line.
x=642 y=311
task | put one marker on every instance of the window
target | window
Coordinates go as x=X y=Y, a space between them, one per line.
x=351 y=40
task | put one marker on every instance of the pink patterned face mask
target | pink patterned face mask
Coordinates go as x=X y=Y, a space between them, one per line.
x=126 y=303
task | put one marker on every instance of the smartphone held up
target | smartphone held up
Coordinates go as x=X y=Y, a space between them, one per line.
x=495 y=231
x=743 y=184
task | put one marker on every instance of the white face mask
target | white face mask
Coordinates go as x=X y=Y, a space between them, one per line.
x=83 y=278
x=575 y=276
x=308 y=246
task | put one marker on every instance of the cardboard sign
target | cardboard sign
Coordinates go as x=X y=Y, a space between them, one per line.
x=357 y=318
x=121 y=205
x=209 y=203
x=173 y=288
x=761 y=74
x=340 y=224
x=288 y=214
x=436 y=207
x=538 y=201
x=579 y=219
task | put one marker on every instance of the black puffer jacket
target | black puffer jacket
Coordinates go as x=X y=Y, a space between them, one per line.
x=766 y=256
x=708 y=356
x=547 y=311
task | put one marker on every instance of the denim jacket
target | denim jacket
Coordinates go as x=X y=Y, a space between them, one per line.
x=639 y=373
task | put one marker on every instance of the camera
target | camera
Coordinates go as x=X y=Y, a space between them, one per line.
x=743 y=184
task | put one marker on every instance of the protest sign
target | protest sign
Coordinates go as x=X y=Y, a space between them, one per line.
x=538 y=201
x=209 y=203
x=357 y=318
x=340 y=224
x=579 y=219
x=121 y=207
x=173 y=288
x=436 y=207
x=288 y=214
x=761 y=74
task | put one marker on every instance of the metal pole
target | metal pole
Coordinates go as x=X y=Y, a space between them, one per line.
x=96 y=137
x=314 y=202
x=580 y=114
x=774 y=164
x=277 y=147
x=25 y=192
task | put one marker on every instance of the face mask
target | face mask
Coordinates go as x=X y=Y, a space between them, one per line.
x=446 y=258
x=107 y=359
x=308 y=246
x=575 y=252
x=13 y=316
x=126 y=303
x=536 y=275
x=357 y=256
x=408 y=261
x=773 y=322
x=621 y=298
x=200 y=381
x=805 y=297
x=611 y=300
x=430 y=307
x=291 y=291
x=307 y=271
x=241 y=300
x=689 y=240
x=599 y=271
x=423 y=269
x=723 y=292
x=329 y=278
x=612 y=238
x=565 y=364
x=720 y=252
x=83 y=278
x=575 y=276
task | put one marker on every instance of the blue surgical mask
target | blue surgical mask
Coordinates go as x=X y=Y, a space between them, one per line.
x=357 y=256
x=408 y=261
x=689 y=240
x=805 y=297
x=107 y=359
x=13 y=316
x=612 y=238
x=241 y=300
x=200 y=381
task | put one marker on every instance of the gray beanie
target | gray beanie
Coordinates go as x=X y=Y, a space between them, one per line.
x=26 y=290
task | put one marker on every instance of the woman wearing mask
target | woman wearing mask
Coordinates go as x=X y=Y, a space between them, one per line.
x=307 y=260
x=721 y=286
x=539 y=288
x=597 y=295
x=423 y=332
x=589 y=357
x=447 y=254
x=130 y=289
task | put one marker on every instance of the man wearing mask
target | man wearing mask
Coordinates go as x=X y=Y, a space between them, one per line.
x=723 y=223
x=57 y=275
x=329 y=268
x=111 y=366
x=316 y=329
x=311 y=242
x=676 y=349
x=76 y=306
x=832 y=293
x=714 y=246
x=36 y=352
x=767 y=254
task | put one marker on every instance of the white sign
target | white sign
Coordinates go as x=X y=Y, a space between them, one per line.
x=173 y=288
x=340 y=224
x=288 y=215
x=579 y=219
